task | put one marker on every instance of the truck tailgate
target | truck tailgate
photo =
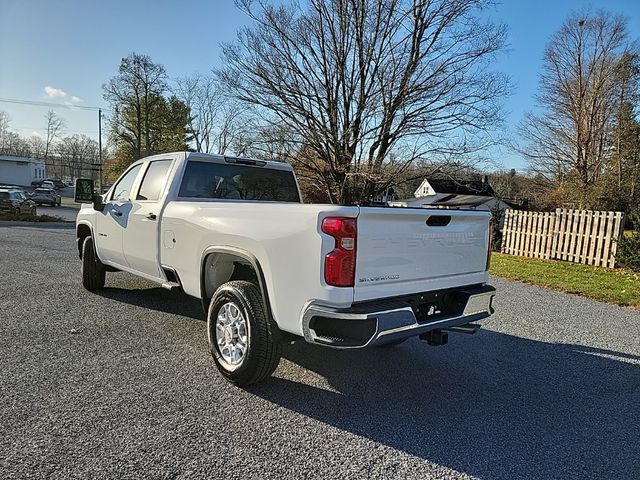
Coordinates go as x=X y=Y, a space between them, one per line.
x=403 y=251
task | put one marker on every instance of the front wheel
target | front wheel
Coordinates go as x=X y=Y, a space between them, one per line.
x=241 y=335
x=93 y=271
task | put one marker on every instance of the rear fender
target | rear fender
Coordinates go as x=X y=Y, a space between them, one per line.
x=246 y=257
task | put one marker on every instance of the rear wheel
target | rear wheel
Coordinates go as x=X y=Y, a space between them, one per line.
x=93 y=271
x=241 y=335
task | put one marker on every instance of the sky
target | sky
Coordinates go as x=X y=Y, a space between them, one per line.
x=63 y=51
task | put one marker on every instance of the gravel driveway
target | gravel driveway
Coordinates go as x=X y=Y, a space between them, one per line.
x=120 y=385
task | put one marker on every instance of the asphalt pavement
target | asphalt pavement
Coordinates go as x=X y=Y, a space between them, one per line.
x=119 y=384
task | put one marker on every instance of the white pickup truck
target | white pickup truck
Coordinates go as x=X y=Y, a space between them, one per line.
x=234 y=233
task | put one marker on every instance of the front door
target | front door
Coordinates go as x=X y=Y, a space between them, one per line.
x=141 y=236
x=114 y=219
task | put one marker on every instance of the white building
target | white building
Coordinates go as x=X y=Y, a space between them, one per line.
x=20 y=170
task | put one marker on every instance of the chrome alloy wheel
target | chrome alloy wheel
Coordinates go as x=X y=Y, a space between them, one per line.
x=232 y=334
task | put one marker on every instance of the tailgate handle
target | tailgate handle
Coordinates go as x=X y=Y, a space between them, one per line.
x=438 y=220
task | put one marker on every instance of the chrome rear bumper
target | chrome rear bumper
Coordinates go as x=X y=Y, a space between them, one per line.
x=384 y=322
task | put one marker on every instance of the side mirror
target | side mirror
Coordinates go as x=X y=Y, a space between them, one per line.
x=84 y=193
x=98 y=203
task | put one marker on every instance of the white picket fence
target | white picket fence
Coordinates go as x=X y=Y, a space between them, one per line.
x=580 y=236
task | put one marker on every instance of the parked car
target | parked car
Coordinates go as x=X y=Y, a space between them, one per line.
x=46 y=196
x=233 y=233
x=14 y=200
x=57 y=183
x=68 y=183
x=50 y=183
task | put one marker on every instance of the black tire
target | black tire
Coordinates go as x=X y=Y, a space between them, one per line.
x=93 y=271
x=263 y=350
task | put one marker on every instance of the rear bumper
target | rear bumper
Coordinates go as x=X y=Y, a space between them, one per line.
x=384 y=322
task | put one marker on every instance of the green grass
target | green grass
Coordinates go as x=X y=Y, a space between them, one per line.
x=608 y=285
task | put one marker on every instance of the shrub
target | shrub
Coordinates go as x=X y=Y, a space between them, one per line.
x=628 y=254
x=497 y=220
x=23 y=217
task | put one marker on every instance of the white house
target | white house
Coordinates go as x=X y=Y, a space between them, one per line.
x=20 y=170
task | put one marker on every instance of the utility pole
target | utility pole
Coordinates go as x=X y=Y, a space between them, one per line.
x=100 y=145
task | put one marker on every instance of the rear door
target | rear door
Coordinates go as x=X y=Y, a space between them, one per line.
x=140 y=240
x=410 y=250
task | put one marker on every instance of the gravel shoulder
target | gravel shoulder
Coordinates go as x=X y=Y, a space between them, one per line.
x=120 y=384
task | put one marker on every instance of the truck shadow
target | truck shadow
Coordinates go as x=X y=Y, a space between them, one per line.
x=493 y=406
x=156 y=298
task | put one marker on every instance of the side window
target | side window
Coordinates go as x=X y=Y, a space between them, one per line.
x=154 y=180
x=123 y=187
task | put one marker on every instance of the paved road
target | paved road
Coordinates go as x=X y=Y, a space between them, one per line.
x=119 y=385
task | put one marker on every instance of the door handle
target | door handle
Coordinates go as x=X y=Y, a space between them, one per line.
x=151 y=216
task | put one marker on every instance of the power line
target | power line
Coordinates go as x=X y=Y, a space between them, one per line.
x=38 y=103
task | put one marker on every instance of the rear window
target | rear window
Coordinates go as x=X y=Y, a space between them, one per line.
x=238 y=182
x=46 y=191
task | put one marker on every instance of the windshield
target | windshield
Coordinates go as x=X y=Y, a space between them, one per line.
x=238 y=182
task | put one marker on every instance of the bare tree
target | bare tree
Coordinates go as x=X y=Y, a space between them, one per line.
x=55 y=126
x=358 y=79
x=37 y=146
x=76 y=154
x=216 y=120
x=571 y=138
x=10 y=142
x=4 y=131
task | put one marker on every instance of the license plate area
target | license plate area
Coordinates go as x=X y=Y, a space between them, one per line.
x=428 y=307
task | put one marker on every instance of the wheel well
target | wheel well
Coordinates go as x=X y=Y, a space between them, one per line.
x=220 y=268
x=83 y=232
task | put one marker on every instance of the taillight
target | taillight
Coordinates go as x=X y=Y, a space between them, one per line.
x=340 y=263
